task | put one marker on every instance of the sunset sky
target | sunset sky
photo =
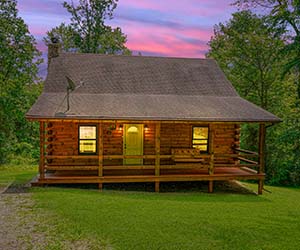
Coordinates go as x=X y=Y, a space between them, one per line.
x=176 y=28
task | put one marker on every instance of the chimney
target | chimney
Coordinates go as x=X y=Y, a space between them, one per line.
x=54 y=49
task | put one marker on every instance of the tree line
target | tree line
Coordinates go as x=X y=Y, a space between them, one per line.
x=259 y=53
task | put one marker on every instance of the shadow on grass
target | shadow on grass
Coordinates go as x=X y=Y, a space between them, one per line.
x=228 y=191
x=17 y=188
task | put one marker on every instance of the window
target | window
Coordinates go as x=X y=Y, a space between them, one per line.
x=200 y=138
x=88 y=139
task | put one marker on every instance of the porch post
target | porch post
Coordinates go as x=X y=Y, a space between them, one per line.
x=212 y=157
x=157 y=154
x=42 y=151
x=100 y=153
x=262 y=138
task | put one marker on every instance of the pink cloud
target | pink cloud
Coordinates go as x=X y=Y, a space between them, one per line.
x=164 y=41
x=204 y=8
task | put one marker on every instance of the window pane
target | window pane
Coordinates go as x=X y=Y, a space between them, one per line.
x=200 y=142
x=87 y=146
x=87 y=132
x=201 y=147
x=200 y=133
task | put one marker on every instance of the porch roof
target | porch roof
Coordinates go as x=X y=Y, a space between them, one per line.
x=142 y=88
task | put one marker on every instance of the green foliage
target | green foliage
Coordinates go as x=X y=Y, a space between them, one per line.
x=249 y=50
x=87 y=31
x=19 y=60
x=284 y=14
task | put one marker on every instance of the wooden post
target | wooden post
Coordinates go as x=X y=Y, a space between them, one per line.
x=157 y=154
x=262 y=141
x=100 y=153
x=42 y=151
x=212 y=157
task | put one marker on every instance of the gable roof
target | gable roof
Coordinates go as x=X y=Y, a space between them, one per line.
x=142 y=88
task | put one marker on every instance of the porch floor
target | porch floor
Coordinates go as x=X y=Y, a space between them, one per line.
x=166 y=175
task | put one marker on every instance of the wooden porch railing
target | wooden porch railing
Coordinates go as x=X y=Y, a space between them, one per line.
x=207 y=161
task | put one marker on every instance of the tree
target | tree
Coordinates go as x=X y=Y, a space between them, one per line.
x=19 y=60
x=285 y=14
x=87 y=31
x=248 y=50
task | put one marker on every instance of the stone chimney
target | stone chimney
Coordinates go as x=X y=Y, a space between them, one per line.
x=54 y=49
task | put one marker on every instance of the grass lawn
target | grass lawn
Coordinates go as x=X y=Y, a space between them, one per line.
x=16 y=174
x=193 y=220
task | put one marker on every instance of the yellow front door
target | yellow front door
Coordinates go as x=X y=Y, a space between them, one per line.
x=133 y=143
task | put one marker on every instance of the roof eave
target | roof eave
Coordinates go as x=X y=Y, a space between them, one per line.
x=209 y=120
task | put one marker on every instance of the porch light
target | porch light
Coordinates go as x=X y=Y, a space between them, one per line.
x=146 y=127
x=120 y=127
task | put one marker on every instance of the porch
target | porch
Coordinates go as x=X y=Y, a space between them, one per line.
x=232 y=164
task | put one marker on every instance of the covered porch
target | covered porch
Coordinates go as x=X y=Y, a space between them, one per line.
x=158 y=162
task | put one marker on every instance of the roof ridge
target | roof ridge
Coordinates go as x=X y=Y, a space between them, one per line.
x=136 y=56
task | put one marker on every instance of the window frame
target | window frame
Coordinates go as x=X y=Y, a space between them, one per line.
x=207 y=144
x=96 y=139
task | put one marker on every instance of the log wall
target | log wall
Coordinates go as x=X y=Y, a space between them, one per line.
x=62 y=139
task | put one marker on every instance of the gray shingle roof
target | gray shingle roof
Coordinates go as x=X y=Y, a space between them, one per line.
x=142 y=88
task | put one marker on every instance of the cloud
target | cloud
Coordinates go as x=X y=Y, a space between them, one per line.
x=153 y=27
x=204 y=8
x=168 y=44
x=37 y=6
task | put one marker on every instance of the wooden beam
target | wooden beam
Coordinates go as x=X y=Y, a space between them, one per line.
x=157 y=153
x=72 y=157
x=262 y=139
x=262 y=144
x=260 y=186
x=111 y=157
x=51 y=178
x=247 y=160
x=245 y=151
x=42 y=151
x=100 y=153
x=210 y=186
x=211 y=138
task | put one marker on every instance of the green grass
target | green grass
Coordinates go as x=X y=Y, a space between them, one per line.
x=146 y=220
x=128 y=220
x=16 y=174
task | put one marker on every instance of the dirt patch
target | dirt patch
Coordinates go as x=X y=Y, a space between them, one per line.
x=17 y=230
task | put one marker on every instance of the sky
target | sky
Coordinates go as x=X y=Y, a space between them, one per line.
x=173 y=28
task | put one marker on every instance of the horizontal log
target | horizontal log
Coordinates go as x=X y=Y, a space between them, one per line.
x=245 y=151
x=229 y=155
x=71 y=156
x=234 y=165
x=122 y=167
x=249 y=170
x=110 y=157
x=63 y=168
x=247 y=160
x=149 y=178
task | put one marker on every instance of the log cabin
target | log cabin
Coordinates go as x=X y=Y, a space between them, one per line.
x=120 y=119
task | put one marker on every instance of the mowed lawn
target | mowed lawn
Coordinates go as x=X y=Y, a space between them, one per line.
x=182 y=220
